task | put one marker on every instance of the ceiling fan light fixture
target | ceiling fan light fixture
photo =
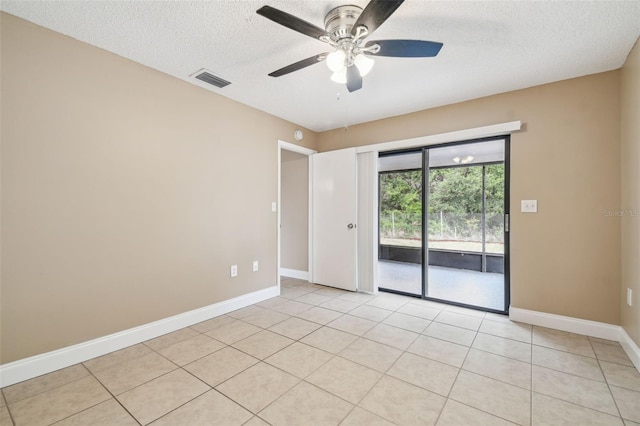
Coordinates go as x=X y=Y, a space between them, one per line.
x=364 y=64
x=336 y=60
x=340 y=76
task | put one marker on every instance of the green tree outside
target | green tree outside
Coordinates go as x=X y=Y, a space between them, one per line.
x=455 y=204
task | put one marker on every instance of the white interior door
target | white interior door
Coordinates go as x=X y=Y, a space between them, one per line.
x=334 y=218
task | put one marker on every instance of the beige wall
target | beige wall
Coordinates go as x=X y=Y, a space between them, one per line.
x=565 y=259
x=630 y=185
x=124 y=202
x=126 y=193
x=294 y=213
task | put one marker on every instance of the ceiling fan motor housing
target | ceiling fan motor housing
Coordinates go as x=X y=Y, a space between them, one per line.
x=339 y=22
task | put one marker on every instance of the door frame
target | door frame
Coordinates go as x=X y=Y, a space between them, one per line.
x=287 y=146
x=425 y=248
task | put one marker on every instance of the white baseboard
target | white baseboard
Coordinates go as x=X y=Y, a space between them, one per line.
x=579 y=326
x=559 y=322
x=630 y=347
x=294 y=273
x=38 y=365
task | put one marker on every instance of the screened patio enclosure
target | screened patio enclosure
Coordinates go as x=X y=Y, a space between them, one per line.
x=442 y=229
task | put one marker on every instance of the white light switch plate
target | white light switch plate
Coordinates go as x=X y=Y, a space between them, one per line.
x=529 y=206
x=256 y=266
x=273 y=206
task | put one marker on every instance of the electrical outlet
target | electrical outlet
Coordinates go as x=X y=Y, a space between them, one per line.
x=629 y=297
x=234 y=271
x=529 y=206
x=256 y=266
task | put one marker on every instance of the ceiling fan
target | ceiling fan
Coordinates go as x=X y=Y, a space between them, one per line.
x=346 y=28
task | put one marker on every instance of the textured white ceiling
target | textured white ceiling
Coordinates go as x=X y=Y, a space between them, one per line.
x=489 y=47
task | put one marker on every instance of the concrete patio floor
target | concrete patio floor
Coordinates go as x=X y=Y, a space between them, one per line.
x=481 y=289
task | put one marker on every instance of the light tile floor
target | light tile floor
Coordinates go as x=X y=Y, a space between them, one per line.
x=319 y=356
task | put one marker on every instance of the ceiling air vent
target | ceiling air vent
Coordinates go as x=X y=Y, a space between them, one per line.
x=208 y=77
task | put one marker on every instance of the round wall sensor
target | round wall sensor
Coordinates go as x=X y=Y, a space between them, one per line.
x=298 y=135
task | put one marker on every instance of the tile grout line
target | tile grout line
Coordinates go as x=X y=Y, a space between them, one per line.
x=55 y=388
x=567 y=373
x=493 y=378
x=118 y=363
x=313 y=371
x=261 y=418
x=383 y=374
x=264 y=361
x=112 y=396
x=46 y=390
x=302 y=343
x=211 y=388
x=531 y=379
x=576 y=403
x=140 y=384
x=570 y=374
x=6 y=404
x=606 y=380
x=231 y=377
x=448 y=396
x=89 y=374
x=242 y=371
x=596 y=358
x=460 y=369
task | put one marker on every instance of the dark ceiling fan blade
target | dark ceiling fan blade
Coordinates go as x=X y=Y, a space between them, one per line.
x=407 y=48
x=299 y=65
x=354 y=80
x=292 y=22
x=374 y=15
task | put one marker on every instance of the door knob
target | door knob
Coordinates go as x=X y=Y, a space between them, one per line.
x=351 y=226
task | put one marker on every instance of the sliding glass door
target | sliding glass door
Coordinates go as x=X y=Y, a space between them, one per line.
x=465 y=240
x=400 y=250
x=442 y=223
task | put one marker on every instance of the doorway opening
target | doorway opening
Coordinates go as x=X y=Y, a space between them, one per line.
x=293 y=207
x=443 y=223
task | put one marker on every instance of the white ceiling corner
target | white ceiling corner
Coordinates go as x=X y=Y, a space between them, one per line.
x=489 y=47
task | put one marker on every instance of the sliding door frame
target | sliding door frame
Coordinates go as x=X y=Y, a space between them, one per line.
x=507 y=223
x=425 y=219
x=389 y=154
